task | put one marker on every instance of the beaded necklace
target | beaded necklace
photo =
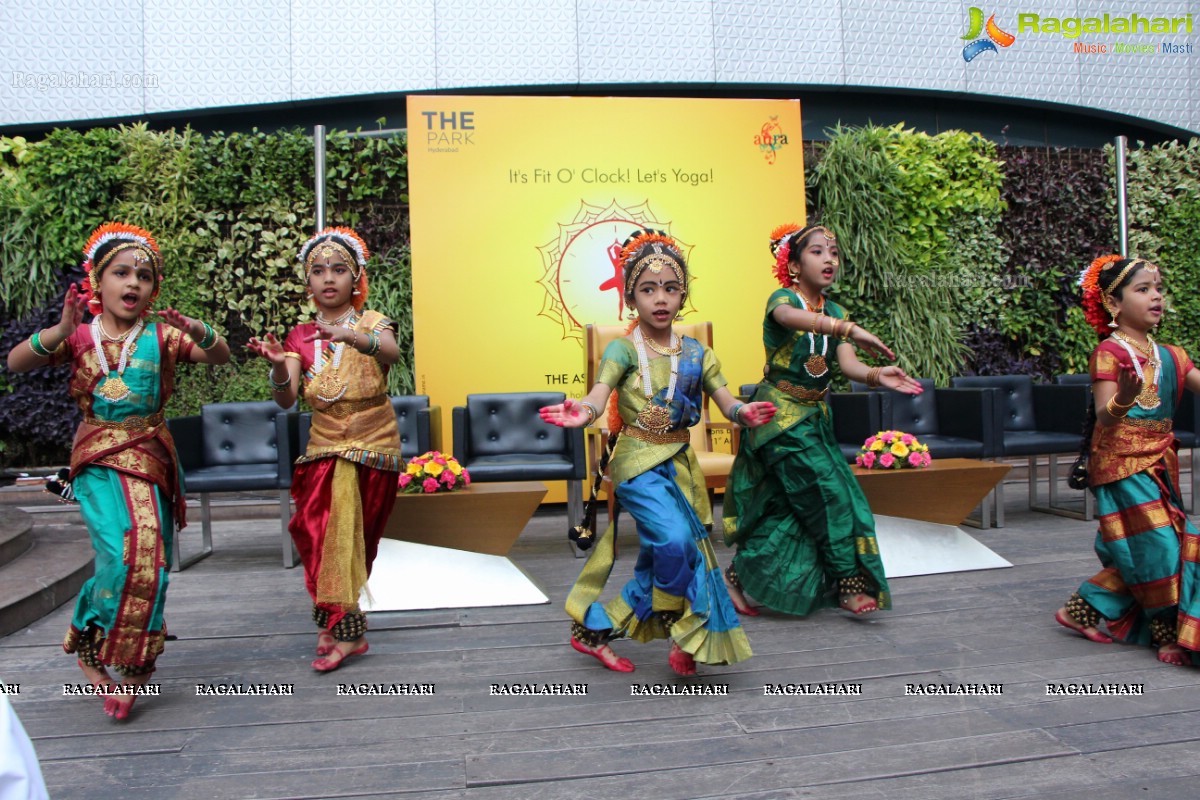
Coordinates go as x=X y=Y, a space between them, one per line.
x=1147 y=398
x=330 y=386
x=815 y=365
x=654 y=417
x=114 y=388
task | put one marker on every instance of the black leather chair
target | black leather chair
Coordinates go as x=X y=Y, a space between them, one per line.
x=1034 y=420
x=1089 y=501
x=952 y=423
x=233 y=447
x=500 y=437
x=856 y=416
x=1187 y=433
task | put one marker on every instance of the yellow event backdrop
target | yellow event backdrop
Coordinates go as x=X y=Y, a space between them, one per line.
x=519 y=203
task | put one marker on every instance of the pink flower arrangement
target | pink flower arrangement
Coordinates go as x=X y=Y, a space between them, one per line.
x=893 y=450
x=433 y=472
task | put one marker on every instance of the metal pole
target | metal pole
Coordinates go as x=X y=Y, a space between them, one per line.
x=319 y=169
x=1122 y=198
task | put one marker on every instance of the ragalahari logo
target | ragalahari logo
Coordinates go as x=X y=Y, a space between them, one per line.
x=771 y=139
x=994 y=34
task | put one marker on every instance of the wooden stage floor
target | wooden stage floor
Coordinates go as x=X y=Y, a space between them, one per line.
x=241 y=619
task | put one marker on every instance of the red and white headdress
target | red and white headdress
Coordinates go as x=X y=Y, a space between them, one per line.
x=347 y=243
x=104 y=244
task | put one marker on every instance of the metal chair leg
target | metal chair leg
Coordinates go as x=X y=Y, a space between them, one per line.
x=998 y=499
x=1052 y=507
x=206 y=545
x=1195 y=480
x=290 y=556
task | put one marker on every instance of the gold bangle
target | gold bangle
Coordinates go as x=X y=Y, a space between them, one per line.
x=816 y=321
x=873 y=377
x=1115 y=409
x=1114 y=401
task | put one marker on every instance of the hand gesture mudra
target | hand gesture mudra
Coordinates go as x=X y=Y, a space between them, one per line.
x=74 y=305
x=268 y=347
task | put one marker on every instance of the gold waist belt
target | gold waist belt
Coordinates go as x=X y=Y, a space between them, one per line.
x=344 y=408
x=129 y=423
x=670 y=437
x=799 y=392
x=1156 y=425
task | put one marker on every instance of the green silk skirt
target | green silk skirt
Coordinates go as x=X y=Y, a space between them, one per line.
x=800 y=521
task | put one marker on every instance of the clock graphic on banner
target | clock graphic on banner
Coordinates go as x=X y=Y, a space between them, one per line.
x=582 y=266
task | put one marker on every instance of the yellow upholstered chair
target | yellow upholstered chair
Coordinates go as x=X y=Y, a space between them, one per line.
x=716 y=465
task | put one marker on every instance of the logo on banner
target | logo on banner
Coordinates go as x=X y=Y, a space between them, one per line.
x=994 y=35
x=582 y=266
x=771 y=139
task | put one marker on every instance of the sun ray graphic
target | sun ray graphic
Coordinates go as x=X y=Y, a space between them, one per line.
x=580 y=272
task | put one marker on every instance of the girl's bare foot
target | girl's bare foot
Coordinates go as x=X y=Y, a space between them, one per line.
x=605 y=655
x=340 y=652
x=1174 y=654
x=118 y=706
x=1062 y=617
x=681 y=662
x=96 y=676
x=740 y=603
x=858 y=604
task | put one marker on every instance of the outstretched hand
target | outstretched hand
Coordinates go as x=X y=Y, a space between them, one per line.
x=1129 y=385
x=330 y=333
x=268 y=347
x=757 y=413
x=896 y=379
x=568 y=414
x=182 y=323
x=870 y=343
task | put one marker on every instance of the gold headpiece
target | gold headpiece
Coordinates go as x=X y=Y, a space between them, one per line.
x=664 y=252
x=327 y=250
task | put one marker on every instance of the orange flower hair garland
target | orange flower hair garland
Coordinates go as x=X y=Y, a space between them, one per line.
x=1093 y=296
x=781 y=247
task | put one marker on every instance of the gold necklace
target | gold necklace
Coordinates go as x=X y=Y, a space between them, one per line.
x=667 y=350
x=1145 y=349
x=816 y=307
x=1147 y=398
x=108 y=337
x=340 y=320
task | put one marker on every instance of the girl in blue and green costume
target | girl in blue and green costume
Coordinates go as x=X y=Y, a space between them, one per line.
x=124 y=471
x=676 y=591
x=1148 y=591
x=804 y=532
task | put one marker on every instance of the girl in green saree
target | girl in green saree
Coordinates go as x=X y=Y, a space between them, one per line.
x=124 y=471
x=804 y=532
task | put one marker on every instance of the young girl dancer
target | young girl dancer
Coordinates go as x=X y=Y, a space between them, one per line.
x=804 y=532
x=1149 y=589
x=340 y=363
x=676 y=591
x=124 y=471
